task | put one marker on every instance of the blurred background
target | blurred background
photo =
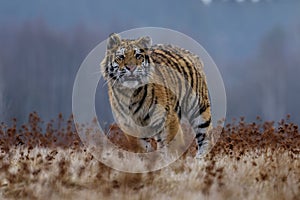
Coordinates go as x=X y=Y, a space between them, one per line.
x=255 y=44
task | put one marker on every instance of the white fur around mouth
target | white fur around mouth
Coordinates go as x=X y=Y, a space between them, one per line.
x=131 y=84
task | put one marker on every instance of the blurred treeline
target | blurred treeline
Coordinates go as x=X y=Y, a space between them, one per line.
x=38 y=64
x=38 y=68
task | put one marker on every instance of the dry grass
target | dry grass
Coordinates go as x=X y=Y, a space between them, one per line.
x=249 y=161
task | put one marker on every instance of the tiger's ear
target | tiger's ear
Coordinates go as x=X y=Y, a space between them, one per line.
x=113 y=41
x=146 y=41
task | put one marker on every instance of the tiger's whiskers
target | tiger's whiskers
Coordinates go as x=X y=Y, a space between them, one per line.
x=106 y=82
x=114 y=83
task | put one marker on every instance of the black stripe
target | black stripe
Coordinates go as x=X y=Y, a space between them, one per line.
x=196 y=89
x=173 y=80
x=177 y=106
x=135 y=94
x=118 y=102
x=192 y=112
x=179 y=113
x=164 y=80
x=196 y=101
x=185 y=75
x=180 y=69
x=174 y=76
x=178 y=110
x=158 y=120
x=198 y=135
x=200 y=138
x=159 y=125
x=165 y=55
x=170 y=63
x=167 y=60
x=194 y=115
x=190 y=68
x=192 y=71
x=137 y=91
x=203 y=108
x=146 y=117
x=147 y=59
x=142 y=100
x=153 y=106
x=198 y=112
x=152 y=96
x=179 y=89
x=112 y=76
x=190 y=84
x=205 y=124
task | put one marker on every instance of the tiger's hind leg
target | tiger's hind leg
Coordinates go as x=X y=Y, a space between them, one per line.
x=202 y=141
x=202 y=126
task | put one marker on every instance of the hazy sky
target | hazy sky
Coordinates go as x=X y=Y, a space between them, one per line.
x=241 y=36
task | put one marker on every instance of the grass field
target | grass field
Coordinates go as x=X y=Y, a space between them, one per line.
x=259 y=160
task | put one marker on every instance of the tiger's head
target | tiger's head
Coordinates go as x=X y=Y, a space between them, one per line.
x=126 y=61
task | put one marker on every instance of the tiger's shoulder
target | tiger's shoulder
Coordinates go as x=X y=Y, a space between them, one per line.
x=175 y=54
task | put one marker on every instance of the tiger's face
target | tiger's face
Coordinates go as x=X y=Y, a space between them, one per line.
x=127 y=61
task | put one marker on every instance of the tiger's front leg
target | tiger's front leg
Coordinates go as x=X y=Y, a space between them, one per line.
x=171 y=135
x=146 y=144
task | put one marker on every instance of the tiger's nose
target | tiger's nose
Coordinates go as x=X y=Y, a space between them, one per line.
x=130 y=67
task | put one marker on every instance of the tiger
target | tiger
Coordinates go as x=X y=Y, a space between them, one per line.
x=151 y=87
